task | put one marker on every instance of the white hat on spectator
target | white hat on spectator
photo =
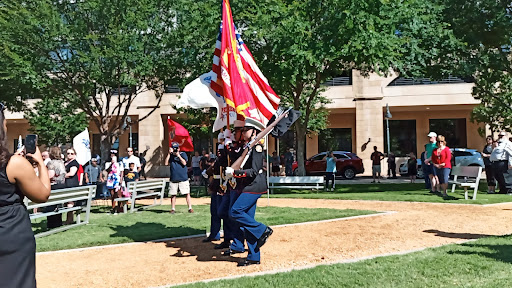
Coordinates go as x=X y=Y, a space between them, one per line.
x=221 y=136
x=432 y=134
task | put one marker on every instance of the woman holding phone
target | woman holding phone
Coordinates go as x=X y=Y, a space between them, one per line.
x=18 y=180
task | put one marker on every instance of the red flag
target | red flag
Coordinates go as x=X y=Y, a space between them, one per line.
x=243 y=85
x=179 y=134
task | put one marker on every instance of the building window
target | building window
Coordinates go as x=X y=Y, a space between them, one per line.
x=454 y=130
x=402 y=135
x=335 y=139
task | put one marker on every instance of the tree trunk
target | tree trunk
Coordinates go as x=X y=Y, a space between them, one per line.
x=301 y=147
x=105 y=146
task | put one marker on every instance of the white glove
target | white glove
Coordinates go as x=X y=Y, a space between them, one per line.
x=228 y=141
x=204 y=174
x=221 y=146
x=227 y=134
x=229 y=172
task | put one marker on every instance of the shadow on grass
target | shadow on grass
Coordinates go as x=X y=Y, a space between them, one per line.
x=203 y=252
x=143 y=231
x=501 y=253
x=467 y=236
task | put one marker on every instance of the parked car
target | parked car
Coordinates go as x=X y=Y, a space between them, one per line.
x=460 y=156
x=404 y=169
x=466 y=157
x=348 y=164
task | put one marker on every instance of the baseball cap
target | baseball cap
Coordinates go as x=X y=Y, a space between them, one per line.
x=502 y=133
x=175 y=145
x=432 y=134
x=221 y=136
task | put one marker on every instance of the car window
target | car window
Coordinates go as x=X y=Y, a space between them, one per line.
x=318 y=157
x=341 y=156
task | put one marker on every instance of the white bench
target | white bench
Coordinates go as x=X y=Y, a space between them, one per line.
x=296 y=182
x=466 y=177
x=143 y=189
x=63 y=196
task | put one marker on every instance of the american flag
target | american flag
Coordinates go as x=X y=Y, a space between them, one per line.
x=238 y=78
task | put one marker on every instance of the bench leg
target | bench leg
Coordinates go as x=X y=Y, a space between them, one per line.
x=125 y=207
x=77 y=218
x=474 y=193
x=453 y=188
x=466 y=193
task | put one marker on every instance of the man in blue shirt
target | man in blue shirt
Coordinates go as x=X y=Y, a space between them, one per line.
x=177 y=162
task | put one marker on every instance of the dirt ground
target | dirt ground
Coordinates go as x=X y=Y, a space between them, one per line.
x=413 y=226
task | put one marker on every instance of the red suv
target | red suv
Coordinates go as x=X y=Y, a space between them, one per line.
x=347 y=164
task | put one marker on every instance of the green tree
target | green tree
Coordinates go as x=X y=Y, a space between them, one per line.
x=301 y=45
x=55 y=122
x=485 y=29
x=97 y=55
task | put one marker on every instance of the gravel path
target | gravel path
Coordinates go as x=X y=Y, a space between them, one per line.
x=413 y=226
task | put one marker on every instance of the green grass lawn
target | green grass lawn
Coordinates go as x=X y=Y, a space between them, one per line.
x=393 y=192
x=484 y=263
x=157 y=223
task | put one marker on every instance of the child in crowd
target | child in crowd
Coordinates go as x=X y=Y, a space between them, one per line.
x=412 y=167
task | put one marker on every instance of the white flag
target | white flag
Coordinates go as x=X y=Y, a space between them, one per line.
x=82 y=146
x=198 y=94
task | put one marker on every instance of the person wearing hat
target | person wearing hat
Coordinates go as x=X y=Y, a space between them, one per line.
x=501 y=158
x=431 y=171
x=93 y=175
x=177 y=162
x=217 y=194
x=254 y=184
x=234 y=144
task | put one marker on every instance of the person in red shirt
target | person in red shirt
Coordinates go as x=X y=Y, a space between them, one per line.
x=442 y=157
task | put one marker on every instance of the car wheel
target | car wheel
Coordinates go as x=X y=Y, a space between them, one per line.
x=349 y=173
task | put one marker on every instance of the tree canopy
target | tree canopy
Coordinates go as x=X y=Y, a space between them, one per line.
x=96 y=55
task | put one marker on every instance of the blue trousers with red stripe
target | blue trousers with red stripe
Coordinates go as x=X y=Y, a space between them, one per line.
x=243 y=212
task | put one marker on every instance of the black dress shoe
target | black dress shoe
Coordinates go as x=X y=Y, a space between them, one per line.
x=222 y=245
x=248 y=263
x=230 y=252
x=263 y=239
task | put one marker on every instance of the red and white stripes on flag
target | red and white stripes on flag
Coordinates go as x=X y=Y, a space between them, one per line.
x=241 y=82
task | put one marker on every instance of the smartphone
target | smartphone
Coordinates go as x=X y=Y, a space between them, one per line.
x=31 y=143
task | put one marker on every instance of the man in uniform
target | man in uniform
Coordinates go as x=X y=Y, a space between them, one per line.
x=235 y=150
x=215 y=191
x=253 y=184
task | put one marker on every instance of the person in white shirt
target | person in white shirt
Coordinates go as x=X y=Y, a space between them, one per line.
x=501 y=158
x=196 y=170
x=131 y=159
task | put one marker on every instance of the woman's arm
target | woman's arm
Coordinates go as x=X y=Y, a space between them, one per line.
x=21 y=172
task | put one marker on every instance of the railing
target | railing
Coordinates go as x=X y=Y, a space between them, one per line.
x=173 y=89
x=339 y=81
x=427 y=81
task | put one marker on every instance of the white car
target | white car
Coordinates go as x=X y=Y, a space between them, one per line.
x=467 y=157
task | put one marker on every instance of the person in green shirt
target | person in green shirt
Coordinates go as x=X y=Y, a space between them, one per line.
x=431 y=172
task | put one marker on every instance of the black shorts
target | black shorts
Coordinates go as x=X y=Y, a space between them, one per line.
x=275 y=169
